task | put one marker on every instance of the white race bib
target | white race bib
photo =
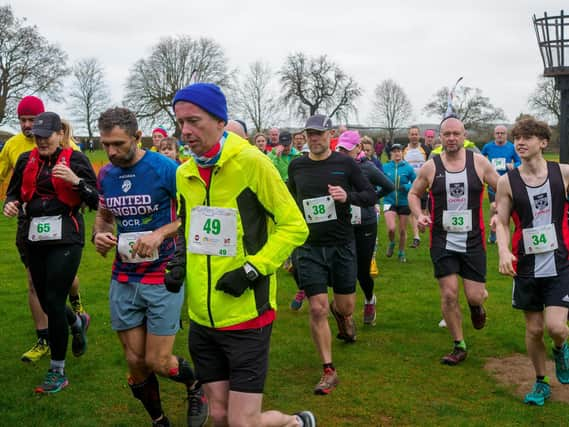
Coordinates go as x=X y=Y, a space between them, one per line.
x=319 y=209
x=44 y=228
x=457 y=221
x=213 y=231
x=356 y=212
x=541 y=239
x=499 y=163
x=126 y=242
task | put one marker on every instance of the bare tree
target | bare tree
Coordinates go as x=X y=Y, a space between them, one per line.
x=173 y=64
x=29 y=64
x=474 y=110
x=390 y=107
x=254 y=98
x=545 y=100
x=312 y=85
x=89 y=94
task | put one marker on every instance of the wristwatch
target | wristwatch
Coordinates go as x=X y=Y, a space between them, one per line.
x=250 y=272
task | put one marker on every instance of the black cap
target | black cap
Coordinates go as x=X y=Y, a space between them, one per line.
x=285 y=138
x=45 y=124
x=318 y=122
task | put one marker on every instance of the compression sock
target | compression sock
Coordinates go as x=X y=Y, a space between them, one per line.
x=148 y=392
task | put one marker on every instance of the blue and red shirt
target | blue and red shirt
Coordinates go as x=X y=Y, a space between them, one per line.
x=141 y=198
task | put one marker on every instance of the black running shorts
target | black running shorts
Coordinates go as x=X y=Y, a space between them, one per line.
x=470 y=265
x=535 y=293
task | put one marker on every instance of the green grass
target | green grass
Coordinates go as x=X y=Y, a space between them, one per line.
x=391 y=376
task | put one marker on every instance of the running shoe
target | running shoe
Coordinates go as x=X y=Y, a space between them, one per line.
x=539 y=393
x=307 y=417
x=492 y=240
x=39 y=350
x=76 y=305
x=562 y=363
x=457 y=355
x=53 y=382
x=402 y=257
x=478 y=316
x=416 y=242
x=296 y=303
x=442 y=323
x=346 y=325
x=79 y=341
x=327 y=383
x=162 y=422
x=390 y=249
x=369 y=312
x=198 y=408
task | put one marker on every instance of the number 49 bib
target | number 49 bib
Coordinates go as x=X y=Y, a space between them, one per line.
x=213 y=231
x=540 y=239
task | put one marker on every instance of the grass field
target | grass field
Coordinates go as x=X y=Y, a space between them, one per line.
x=391 y=376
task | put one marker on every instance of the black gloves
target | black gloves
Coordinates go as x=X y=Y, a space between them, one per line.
x=235 y=282
x=174 y=278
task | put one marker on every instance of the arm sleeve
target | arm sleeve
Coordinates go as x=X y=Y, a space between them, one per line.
x=378 y=179
x=364 y=194
x=4 y=164
x=289 y=230
x=81 y=165
x=15 y=185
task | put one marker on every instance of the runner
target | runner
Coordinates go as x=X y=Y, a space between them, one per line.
x=395 y=204
x=158 y=134
x=324 y=184
x=535 y=197
x=169 y=147
x=28 y=108
x=260 y=141
x=364 y=220
x=138 y=190
x=239 y=223
x=52 y=183
x=456 y=180
x=502 y=154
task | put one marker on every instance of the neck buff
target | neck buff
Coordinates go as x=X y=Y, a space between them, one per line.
x=210 y=158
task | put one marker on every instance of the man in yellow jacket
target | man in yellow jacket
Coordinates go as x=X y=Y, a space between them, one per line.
x=28 y=108
x=239 y=223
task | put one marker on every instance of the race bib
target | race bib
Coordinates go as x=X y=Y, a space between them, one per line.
x=356 y=212
x=457 y=221
x=213 y=231
x=499 y=163
x=386 y=207
x=541 y=239
x=319 y=209
x=124 y=247
x=43 y=228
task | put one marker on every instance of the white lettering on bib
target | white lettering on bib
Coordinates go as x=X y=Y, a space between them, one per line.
x=319 y=209
x=213 y=231
x=356 y=212
x=457 y=221
x=127 y=241
x=541 y=239
x=499 y=163
x=44 y=228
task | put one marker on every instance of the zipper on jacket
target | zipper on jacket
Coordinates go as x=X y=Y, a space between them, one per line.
x=209 y=259
x=397 y=182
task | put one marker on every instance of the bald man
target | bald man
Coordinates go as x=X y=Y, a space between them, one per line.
x=456 y=181
x=502 y=154
x=237 y=128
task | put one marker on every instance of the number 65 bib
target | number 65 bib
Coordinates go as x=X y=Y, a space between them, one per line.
x=457 y=221
x=540 y=239
x=319 y=209
x=213 y=231
x=45 y=228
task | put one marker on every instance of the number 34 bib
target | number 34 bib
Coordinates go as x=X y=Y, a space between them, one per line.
x=540 y=239
x=213 y=231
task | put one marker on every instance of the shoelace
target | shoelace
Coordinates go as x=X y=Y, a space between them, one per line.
x=195 y=401
x=539 y=388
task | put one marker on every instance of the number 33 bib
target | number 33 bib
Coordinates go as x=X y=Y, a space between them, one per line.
x=213 y=231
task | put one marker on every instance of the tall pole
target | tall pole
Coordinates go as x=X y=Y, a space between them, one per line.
x=562 y=83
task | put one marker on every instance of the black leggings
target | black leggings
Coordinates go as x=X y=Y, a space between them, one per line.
x=365 y=244
x=53 y=269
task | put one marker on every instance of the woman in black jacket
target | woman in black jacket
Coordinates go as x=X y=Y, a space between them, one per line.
x=365 y=219
x=49 y=184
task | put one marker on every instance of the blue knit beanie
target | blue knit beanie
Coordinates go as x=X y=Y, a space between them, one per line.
x=207 y=96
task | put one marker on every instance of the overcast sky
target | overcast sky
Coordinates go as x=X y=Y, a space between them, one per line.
x=423 y=45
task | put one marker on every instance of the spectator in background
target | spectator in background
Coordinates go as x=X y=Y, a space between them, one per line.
x=237 y=127
x=157 y=135
x=298 y=140
x=379 y=147
x=169 y=148
x=283 y=154
x=367 y=146
x=429 y=136
x=260 y=141
x=273 y=140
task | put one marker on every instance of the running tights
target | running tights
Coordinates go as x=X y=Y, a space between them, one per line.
x=365 y=244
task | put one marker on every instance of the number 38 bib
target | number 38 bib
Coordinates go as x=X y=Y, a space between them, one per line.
x=319 y=209
x=457 y=221
x=213 y=231
x=540 y=239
